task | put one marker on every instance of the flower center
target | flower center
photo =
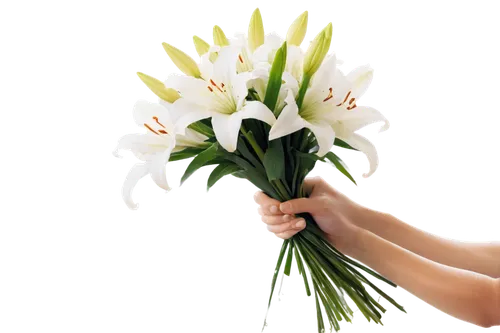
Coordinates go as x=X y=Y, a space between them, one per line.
x=223 y=101
x=156 y=127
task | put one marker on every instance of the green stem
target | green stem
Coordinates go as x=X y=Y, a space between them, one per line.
x=302 y=91
x=253 y=143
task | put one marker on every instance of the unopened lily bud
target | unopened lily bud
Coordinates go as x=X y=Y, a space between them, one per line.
x=297 y=30
x=201 y=46
x=219 y=37
x=184 y=62
x=158 y=88
x=255 y=31
x=317 y=51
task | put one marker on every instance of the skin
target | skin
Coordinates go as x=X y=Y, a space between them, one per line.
x=461 y=279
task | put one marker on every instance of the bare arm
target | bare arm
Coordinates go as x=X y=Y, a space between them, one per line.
x=482 y=258
x=463 y=294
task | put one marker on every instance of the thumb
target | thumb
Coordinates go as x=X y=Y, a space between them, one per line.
x=295 y=206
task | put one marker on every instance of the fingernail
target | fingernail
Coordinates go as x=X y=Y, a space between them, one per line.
x=287 y=218
x=273 y=209
x=300 y=224
x=284 y=207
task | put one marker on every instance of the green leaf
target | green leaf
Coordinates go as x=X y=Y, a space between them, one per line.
x=289 y=257
x=341 y=143
x=202 y=129
x=300 y=265
x=275 y=279
x=252 y=174
x=274 y=84
x=274 y=160
x=185 y=153
x=200 y=160
x=339 y=164
x=247 y=154
x=220 y=171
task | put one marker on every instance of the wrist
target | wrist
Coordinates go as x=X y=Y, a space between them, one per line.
x=349 y=242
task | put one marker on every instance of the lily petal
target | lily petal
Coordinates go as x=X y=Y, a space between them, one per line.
x=362 y=116
x=190 y=113
x=362 y=144
x=360 y=79
x=135 y=174
x=157 y=168
x=288 y=121
x=152 y=113
x=259 y=111
x=325 y=136
x=226 y=129
x=143 y=145
x=190 y=88
x=295 y=61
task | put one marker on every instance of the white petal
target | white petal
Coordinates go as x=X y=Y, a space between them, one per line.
x=266 y=52
x=259 y=111
x=157 y=168
x=156 y=116
x=362 y=116
x=225 y=65
x=290 y=83
x=239 y=87
x=294 y=61
x=137 y=172
x=360 y=79
x=190 y=113
x=324 y=135
x=288 y=121
x=143 y=145
x=192 y=89
x=206 y=66
x=226 y=129
x=325 y=74
x=362 y=144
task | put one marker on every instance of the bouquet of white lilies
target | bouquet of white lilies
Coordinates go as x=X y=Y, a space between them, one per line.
x=262 y=109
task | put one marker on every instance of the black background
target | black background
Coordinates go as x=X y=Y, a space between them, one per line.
x=198 y=266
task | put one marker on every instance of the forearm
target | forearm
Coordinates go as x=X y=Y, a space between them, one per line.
x=463 y=294
x=480 y=258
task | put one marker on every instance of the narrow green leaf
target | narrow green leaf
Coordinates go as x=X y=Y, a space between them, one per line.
x=247 y=154
x=339 y=164
x=252 y=174
x=275 y=278
x=220 y=171
x=275 y=78
x=302 y=271
x=274 y=160
x=185 y=153
x=200 y=160
x=289 y=257
x=202 y=129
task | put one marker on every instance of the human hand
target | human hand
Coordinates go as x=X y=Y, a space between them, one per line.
x=335 y=214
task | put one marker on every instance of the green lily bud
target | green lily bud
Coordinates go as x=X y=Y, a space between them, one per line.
x=317 y=51
x=255 y=31
x=184 y=62
x=219 y=37
x=297 y=30
x=201 y=46
x=158 y=88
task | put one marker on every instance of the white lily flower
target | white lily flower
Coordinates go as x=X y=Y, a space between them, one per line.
x=154 y=147
x=329 y=110
x=220 y=97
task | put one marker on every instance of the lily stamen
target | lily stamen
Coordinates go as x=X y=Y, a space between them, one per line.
x=345 y=99
x=330 y=95
x=152 y=130
x=158 y=122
